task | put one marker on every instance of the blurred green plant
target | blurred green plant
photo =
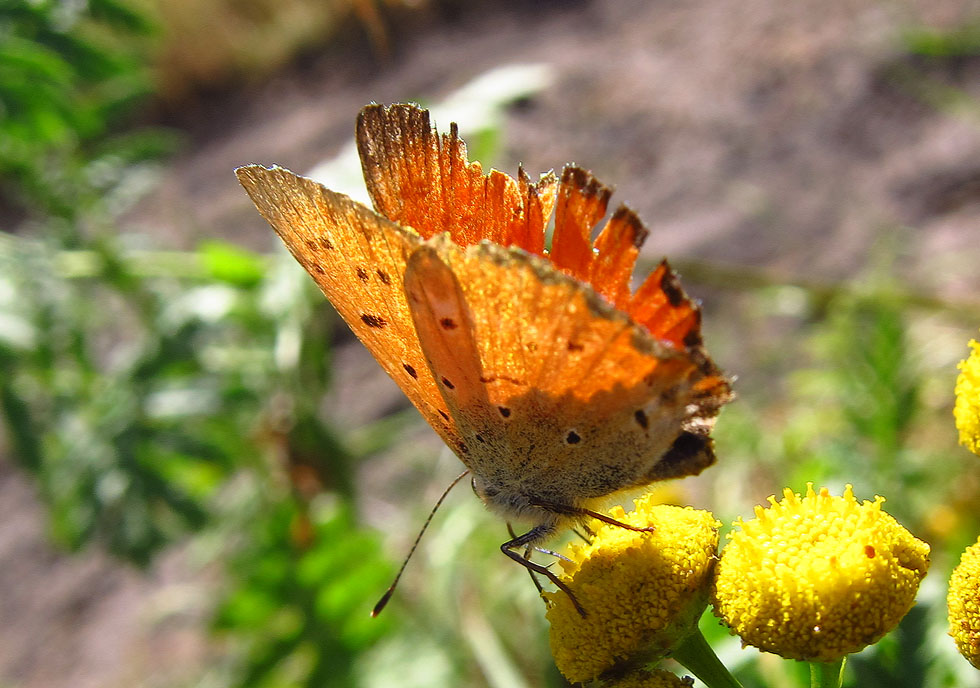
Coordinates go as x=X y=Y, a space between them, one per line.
x=961 y=40
x=298 y=607
x=143 y=403
x=132 y=399
x=70 y=74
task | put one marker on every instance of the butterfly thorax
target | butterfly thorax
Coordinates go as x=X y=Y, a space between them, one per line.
x=511 y=502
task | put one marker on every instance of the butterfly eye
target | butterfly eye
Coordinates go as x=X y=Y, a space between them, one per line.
x=482 y=489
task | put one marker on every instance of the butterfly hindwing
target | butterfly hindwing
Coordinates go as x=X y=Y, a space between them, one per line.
x=555 y=393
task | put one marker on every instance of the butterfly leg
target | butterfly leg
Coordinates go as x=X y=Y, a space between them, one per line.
x=566 y=510
x=527 y=557
x=553 y=553
x=526 y=540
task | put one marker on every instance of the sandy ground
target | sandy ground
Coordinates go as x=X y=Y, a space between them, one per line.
x=789 y=136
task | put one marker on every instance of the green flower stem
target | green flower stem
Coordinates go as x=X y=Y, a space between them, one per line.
x=827 y=674
x=696 y=656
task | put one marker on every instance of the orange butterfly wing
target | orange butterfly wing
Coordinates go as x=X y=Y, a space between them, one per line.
x=556 y=395
x=423 y=180
x=541 y=387
x=358 y=260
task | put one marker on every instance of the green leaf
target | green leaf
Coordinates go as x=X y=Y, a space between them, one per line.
x=120 y=15
x=961 y=41
x=17 y=416
x=232 y=264
x=30 y=60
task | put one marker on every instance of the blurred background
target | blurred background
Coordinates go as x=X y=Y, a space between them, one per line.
x=206 y=481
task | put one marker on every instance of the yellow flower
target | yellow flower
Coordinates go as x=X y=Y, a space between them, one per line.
x=643 y=592
x=964 y=604
x=817 y=578
x=967 y=408
x=649 y=678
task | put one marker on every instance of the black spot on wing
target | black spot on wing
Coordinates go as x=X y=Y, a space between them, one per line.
x=325 y=243
x=411 y=371
x=383 y=276
x=449 y=384
x=374 y=321
x=448 y=324
x=362 y=274
x=504 y=411
x=572 y=437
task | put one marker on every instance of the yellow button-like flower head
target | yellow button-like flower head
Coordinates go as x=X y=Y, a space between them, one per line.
x=818 y=578
x=964 y=604
x=967 y=408
x=642 y=592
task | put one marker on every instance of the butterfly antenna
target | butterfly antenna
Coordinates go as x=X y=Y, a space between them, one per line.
x=383 y=602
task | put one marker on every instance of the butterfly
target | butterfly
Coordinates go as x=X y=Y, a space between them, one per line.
x=554 y=382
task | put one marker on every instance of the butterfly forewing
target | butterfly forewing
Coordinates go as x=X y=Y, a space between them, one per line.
x=358 y=260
